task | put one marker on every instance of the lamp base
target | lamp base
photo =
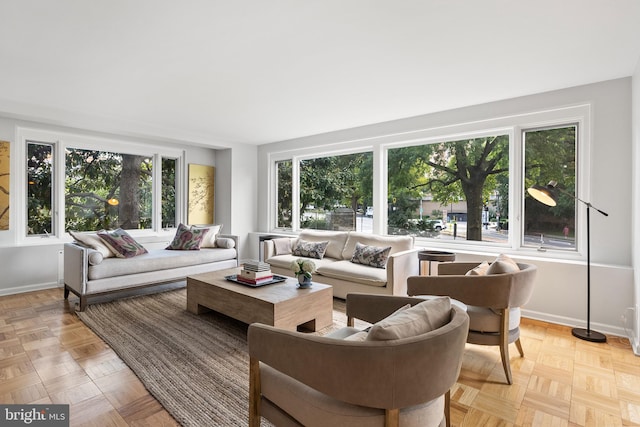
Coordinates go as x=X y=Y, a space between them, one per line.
x=592 y=336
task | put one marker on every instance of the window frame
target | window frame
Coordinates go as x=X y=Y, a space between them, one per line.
x=512 y=125
x=63 y=140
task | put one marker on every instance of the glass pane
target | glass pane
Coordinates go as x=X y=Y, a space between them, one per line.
x=450 y=190
x=107 y=190
x=283 y=186
x=39 y=189
x=168 y=193
x=550 y=155
x=335 y=192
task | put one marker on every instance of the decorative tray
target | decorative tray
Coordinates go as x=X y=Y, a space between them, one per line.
x=276 y=279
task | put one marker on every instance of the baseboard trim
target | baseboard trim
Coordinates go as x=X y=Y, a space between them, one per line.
x=568 y=321
x=29 y=288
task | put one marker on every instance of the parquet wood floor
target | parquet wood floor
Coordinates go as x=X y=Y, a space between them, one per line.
x=47 y=355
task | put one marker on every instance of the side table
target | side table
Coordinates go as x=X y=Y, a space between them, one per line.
x=433 y=256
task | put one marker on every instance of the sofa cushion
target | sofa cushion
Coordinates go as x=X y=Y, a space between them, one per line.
x=284 y=261
x=158 y=260
x=336 y=240
x=417 y=320
x=209 y=240
x=310 y=249
x=397 y=243
x=92 y=241
x=350 y=272
x=373 y=256
x=121 y=243
x=503 y=264
x=187 y=238
x=282 y=245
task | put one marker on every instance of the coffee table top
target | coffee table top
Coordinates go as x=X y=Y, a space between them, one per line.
x=273 y=293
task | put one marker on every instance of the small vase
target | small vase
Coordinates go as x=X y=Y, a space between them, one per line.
x=304 y=281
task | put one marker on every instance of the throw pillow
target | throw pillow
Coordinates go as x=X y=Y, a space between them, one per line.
x=480 y=270
x=92 y=241
x=209 y=240
x=225 y=243
x=503 y=264
x=373 y=256
x=419 y=319
x=95 y=257
x=121 y=243
x=187 y=239
x=310 y=249
x=282 y=245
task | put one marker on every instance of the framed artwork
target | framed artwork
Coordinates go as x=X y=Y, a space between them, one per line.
x=4 y=185
x=201 y=194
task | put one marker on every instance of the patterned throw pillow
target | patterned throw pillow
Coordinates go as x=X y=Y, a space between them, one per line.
x=310 y=249
x=121 y=244
x=187 y=239
x=373 y=256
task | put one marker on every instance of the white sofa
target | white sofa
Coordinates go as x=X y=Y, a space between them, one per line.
x=337 y=270
x=87 y=273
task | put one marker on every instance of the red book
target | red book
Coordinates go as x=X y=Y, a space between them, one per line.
x=254 y=281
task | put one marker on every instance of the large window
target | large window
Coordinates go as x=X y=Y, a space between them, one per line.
x=450 y=190
x=333 y=192
x=463 y=184
x=40 y=201
x=550 y=155
x=70 y=186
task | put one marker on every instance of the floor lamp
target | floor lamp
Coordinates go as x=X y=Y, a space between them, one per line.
x=547 y=196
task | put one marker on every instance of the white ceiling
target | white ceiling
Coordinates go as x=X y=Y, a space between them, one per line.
x=258 y=71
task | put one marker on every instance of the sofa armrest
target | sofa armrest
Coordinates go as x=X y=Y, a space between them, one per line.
x=400 y=266
x=484 y=291
x=76 y=265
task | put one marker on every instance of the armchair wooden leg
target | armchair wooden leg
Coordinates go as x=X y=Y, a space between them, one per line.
x=392 y=417
x=519 y=346
x=254 y=392
x=447 y=407
x=504 y=345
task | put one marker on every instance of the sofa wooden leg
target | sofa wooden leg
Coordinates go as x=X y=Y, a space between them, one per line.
x=504 y=345
x=392 y=417
x=83 y=303
x=447 y=407
x=66 y=292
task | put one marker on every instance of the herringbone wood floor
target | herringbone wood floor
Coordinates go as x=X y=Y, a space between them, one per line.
x=47 y=355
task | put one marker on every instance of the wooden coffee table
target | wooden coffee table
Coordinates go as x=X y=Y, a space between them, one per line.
x=282 y=305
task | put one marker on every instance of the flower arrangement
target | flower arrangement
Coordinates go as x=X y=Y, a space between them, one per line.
x=303 y=267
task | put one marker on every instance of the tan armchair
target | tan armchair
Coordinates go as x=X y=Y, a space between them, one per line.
x=493 y=302
x=301 y=379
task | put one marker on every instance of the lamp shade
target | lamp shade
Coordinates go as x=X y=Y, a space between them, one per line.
x=543 y=194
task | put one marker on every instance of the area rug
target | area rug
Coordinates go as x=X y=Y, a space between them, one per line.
x=196 y=366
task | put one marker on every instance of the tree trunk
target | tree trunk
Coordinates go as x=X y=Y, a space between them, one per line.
x=129 y=213
x=473 y=193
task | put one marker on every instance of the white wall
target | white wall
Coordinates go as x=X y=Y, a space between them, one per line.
x=633 y=316
x=561 y=285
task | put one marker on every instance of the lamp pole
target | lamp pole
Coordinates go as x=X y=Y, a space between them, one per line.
x=587 y=334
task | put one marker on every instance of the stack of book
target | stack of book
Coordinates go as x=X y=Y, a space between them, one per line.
x=255 y=273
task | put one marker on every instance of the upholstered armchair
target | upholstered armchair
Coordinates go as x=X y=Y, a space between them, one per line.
x=393 y=375
x=493 y=297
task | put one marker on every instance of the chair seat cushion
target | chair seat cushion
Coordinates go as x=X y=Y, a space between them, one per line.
x=312 y=408
x=482 y=319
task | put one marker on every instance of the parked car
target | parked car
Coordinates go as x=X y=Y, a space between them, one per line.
x=438 y=224
x=369 y=212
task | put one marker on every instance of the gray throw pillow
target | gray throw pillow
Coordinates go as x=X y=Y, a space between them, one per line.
x=372 y=256
x=310 y=249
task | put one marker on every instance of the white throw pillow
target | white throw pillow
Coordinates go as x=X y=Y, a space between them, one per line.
x=209 y=240
x=92 y=241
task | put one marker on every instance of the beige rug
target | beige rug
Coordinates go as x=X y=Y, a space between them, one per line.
x=196 y=366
